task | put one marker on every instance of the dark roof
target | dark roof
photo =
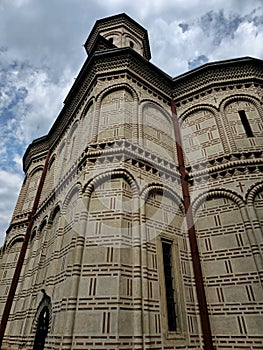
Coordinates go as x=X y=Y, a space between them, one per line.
x=217 y=64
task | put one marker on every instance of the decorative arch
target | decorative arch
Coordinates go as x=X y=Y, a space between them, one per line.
x=253 y=192
x=203 y=134
x=115 y=35
x=61 y=146
x=31 y=186
x=117 y=87
x=33 y=234
x=42 y=322
x=17 y=239
x=156 y=130
x=86 y=126
x=117 y=173
x=43 y=223
x=243 y=118
x=163 y=190
x=35 y=170
x=217 y=193
x=145 y=102
x=133 y=39
x=239 y=97
x=72 y=130
x=53 y=213
x=116 y=113
x=61 y=159
x=52 y=161
x=198 y=108
x=74 y=189
x=89 y=104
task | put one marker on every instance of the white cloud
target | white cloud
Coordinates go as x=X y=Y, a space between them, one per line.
x=251 y=37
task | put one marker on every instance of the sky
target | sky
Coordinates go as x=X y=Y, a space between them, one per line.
x=41 y=54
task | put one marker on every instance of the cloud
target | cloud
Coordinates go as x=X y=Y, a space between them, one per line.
x=196 y=62
x=216 y=35
x=251 y=37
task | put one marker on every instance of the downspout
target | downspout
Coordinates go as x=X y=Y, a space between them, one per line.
x=204 y=317
x=22 y=254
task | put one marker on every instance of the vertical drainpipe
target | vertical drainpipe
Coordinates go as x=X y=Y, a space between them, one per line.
x=22 y=254
x=204 y=317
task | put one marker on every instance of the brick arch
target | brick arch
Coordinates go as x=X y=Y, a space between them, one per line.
x=147 y=102
x=198 y=108
x=243 y=131
x=44 y=303
x=253 y=192
x=132 y=38
x=239 y=97
x=156 y=132
x=35 y=170
x=43 y=223
x=54 y=212
x=73 y=128
x=113 y=33
x=89 y=104
x=121 y=122
x=203 y=134
x=16 y=239
x=117 y=173
x=52 y=161
x=74 y=189
x=164 y=190
x=218 y=193
x=116 y=87
x=61 y=146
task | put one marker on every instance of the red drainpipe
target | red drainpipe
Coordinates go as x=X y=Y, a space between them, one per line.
x=22 y=254
x=208 y=344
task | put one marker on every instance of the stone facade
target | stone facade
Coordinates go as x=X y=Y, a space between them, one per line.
x=111 y=207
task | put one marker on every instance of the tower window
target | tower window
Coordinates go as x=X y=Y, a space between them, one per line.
x=131 y=44
x=111 y=40
x=245 y=122
x=169 y=288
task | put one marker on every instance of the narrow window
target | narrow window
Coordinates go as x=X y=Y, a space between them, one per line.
x=131 y=44
x=246 y=125
x=42 y=329
x=111 y=40
x=169 y=288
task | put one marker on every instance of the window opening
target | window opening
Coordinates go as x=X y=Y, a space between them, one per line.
x=170 y=300
x=111 y=40
x=245 y=122
x=131 y=44
x=42 y=329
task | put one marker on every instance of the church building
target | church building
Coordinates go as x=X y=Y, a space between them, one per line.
x=139 y=223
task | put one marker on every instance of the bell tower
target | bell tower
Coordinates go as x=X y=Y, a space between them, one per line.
x=120 y=31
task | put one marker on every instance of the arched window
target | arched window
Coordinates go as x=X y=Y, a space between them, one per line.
x=42 y=329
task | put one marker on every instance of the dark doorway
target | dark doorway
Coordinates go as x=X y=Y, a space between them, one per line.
x=42 y=329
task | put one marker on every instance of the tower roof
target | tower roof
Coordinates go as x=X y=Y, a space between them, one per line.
x=115 y=22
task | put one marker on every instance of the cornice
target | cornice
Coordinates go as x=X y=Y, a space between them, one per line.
x=217 y=75
x=225 y=166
